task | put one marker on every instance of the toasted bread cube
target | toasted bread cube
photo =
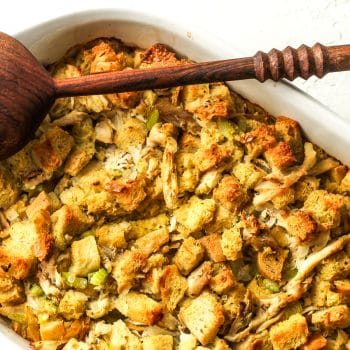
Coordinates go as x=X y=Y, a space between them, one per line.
x=259 y=140
x=152 y=241
x=28 y=240
x=222 y=279
x=41 y=202
x=172 y=287
x=203 y=316
x=206 y=103
x=333 y=317
x=52 y=149
x=230 y=194
x=113 y=235
x=289 y=334
x=288 y=130
x=248 y=174
x=325 y=207
x=123 y=339
x=52 y=330
x=231 y=243
x=302 y=225
x=132 y=133
x=126 y=268
x=281 y=156
x=315 y=342
x=189 y=255
x=128 y=194
x=158 y=55
x=194 y=214
x=72 y=305
x=212 y=245
x=187 y=341
x=211 y=156
x=335 y=267
x=85 y=256
x=285 y=197
x=79 y=157
x=71 y=221
x=324 y=294
x=9 y=191
x=158 y=342
x=270 y=263
x=11 y=292
x=305 y=186
x=140 y=227
x=139 y=308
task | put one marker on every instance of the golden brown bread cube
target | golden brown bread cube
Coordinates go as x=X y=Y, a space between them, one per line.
x=123 y=338
x=158 y=342
x=325 y=207
x=315 y=342
x=172 y=287
x=212 y=246
x=288 y=130
x=71 y=221
x=230 y=194
x=203 y=316
x=85 y=256
x=302 y=225
x=113 y=235
x=11 y=291
x=126 y=268
x=139 y=308
x=211 y=156
x=29 y=239
x=333 y=317
x=72 y=305
x=189 y=255
x=222 y=279
x=133 y=133
x=52 y=149
x=231 y=243
x=152 y=241
x=270 y=263
x=289 y=334
x=259 y=140
x=79 y=157
x=194 y=214
x=280 y=156
x=140 y=227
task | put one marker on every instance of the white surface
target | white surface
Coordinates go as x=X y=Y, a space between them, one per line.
x=197 y=44
x=249 y=25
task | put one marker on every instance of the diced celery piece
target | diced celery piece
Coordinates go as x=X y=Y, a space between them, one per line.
x=88 y=233
x=98 y=278
x=152 y=119
x=73 y=281
x=36 y=291
x=271 y=285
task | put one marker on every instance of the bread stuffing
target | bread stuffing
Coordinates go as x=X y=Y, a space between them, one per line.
x=179 y=219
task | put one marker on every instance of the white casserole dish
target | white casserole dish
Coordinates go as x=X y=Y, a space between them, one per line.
x=50 y=40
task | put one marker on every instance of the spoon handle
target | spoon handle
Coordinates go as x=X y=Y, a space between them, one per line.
x=289 y=63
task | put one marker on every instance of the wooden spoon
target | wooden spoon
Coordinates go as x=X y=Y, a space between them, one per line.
x=27 y=91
